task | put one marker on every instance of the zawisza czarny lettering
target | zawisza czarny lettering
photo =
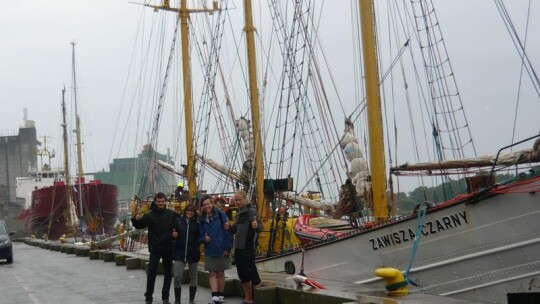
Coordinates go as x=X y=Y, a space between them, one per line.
x=431 y=227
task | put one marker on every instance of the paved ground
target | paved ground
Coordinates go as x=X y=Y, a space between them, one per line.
x=41 y=276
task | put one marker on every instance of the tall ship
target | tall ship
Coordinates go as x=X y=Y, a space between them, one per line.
x=58 y=204
x=328 y=193
x=62 y=205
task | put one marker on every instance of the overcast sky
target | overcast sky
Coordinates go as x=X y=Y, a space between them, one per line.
x=35 y=63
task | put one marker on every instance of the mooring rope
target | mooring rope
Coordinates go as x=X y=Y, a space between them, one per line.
x=422 y=211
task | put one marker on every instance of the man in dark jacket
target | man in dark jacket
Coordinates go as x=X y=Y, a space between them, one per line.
x=159 y=222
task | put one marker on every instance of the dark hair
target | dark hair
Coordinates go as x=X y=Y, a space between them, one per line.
x=160 y=195
x=191 y=207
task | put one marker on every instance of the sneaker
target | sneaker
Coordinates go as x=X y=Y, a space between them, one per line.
x=215 y=300
x=221 y=299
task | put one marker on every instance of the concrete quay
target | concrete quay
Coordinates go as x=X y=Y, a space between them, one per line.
x=277 y=287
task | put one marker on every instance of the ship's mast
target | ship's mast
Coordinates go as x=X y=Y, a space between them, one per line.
x=69 y=221
x=374 y=112
x=183 y=14
x=77 y=133
x=188 y=104
x=255 y=109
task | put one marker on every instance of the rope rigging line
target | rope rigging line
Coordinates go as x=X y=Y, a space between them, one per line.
x=209 y=61
x=388 y=76
x=301 y=61
x=225 y=137
x=443 y=108
x=211 y=66
x=157 y=120
x=520 y=47
x=438 y=69
x=138 y=90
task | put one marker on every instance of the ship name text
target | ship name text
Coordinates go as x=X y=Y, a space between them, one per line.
x=407 y=235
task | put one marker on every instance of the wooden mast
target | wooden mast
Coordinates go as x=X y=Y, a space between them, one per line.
x=255 y=109
x=188 y=104
x=78 y=135
x=183 y=14
x=69 y=221
x=374 y=112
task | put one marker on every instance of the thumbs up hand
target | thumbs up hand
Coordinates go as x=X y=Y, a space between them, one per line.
x=174 y=233
x=254 y=224
x=206 y=238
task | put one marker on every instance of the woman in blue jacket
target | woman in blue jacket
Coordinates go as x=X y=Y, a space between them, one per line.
x=218 y=243
x=186 y=251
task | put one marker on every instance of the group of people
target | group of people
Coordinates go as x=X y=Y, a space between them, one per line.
x=175 y=237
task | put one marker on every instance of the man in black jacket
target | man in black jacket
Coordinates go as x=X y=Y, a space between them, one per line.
x=159 y=222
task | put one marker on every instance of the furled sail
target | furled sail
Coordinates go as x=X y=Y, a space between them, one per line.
x=317 y=204
x=524 y=156
x=218 y=167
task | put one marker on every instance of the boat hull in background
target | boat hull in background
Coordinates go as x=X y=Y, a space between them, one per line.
x=49 y=209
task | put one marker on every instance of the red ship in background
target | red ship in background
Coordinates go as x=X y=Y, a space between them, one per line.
x=57 y=204
x=62 y=205
x=51 y=212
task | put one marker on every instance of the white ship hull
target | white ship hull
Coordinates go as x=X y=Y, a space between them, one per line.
x=478 y=248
